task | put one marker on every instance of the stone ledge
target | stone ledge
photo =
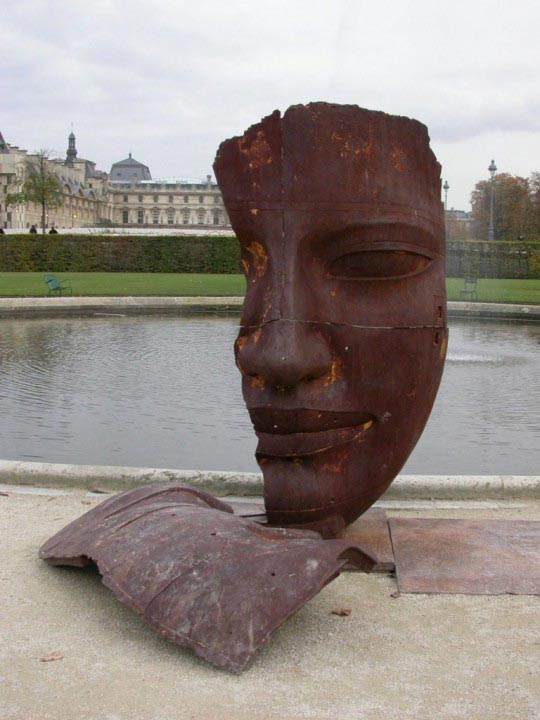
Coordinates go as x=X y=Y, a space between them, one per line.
x=55 y=306
x=242 y=484
x=129 y=305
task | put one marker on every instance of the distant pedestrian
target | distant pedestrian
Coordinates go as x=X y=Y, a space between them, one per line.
x=53 y=231
x=33 y=229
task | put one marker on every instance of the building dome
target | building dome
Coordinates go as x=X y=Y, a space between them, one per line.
x=128 y=171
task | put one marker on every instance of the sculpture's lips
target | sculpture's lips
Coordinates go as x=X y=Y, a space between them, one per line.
x=293 y=433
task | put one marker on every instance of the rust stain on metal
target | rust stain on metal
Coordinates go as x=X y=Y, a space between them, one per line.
x=196 y=573
x=399 y=158
x=258 y=259
x=257 y=150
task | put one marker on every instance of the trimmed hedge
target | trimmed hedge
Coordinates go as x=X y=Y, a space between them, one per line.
x=211 y=254
x=495 y=259
x=121 y=253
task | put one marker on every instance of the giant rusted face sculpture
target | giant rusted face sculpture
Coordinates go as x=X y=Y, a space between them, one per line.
x=341 y=349
x=343 y=333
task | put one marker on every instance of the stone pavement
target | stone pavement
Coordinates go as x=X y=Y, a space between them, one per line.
x=396 y=656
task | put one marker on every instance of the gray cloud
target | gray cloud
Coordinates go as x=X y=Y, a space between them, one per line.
x=169 y=80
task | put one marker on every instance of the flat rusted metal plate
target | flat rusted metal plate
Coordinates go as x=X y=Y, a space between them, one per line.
x=372 y=532
x=244 y=508
x=343 y=333
x=475 y=557
x=199 y=575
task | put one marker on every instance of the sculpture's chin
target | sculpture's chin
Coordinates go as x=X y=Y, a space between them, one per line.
x=323 y=492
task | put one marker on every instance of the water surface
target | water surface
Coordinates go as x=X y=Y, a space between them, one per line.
x=164 y=392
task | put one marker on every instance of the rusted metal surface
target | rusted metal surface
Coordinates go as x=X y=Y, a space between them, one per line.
x=475 y=557
x=372 y=532
x=244 y=508
x=199 y=575
x=343 y=333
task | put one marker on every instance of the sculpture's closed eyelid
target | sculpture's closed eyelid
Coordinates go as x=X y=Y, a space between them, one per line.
x=384 y=262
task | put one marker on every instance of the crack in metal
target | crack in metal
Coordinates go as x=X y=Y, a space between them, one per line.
x=332 y=323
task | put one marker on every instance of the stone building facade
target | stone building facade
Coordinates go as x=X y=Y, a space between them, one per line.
x=84 y=189
x=137 y=200
x=127 y=196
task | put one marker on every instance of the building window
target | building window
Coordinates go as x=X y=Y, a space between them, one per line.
x=140 y=216
x=200 y=216
x=216 y=198
x=155 y=216
x=186 y=198
x=156 y=198
x=216 y=218
x=185 y=217
x=140 y=198
x=125 y=216
x=170 y=216
x=201 y=198
x=171 y=199
x=125 y=198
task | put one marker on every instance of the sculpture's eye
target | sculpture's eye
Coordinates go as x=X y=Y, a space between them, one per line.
x=378 y=264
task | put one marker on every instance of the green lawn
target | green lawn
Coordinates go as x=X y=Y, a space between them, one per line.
x=31 y=284
x=502 y=291
x=28 y=284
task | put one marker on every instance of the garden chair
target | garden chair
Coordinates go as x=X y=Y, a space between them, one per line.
x=469 y=289
x=56 y=286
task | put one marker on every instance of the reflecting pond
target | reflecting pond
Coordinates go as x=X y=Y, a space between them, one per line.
x=164 y=392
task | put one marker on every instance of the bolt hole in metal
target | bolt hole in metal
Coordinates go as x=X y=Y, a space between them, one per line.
x=164 y=392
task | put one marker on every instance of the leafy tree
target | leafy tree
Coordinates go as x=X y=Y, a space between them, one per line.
x=534 y=190
x=513 y=207
x=38 y=185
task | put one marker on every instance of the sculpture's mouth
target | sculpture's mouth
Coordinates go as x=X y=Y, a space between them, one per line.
x=295 y=433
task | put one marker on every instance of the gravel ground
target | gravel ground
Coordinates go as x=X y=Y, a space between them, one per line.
x=407 y=657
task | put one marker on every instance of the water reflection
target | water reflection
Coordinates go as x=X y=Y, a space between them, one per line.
x=164 y=392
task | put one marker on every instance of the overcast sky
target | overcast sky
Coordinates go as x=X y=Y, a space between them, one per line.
x=168 y=80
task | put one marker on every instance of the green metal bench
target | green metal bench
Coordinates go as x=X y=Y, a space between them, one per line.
x=57 y=286
x=469 y=290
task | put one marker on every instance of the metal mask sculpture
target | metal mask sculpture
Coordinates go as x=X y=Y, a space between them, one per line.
x=341 y=349
x=343 y=333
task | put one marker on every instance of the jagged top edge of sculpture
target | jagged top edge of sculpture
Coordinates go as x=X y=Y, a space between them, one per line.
x=321 y=104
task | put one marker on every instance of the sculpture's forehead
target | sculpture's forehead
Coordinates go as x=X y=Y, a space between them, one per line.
x=365 y=165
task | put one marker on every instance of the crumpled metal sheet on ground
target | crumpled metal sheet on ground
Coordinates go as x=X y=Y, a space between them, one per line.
x=474 y=557
x=199 y=575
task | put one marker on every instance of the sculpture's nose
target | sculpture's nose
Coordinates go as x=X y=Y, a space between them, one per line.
x=284 y=353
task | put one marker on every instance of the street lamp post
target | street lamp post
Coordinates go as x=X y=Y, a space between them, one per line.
x=446 y=188
x=491 y=230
